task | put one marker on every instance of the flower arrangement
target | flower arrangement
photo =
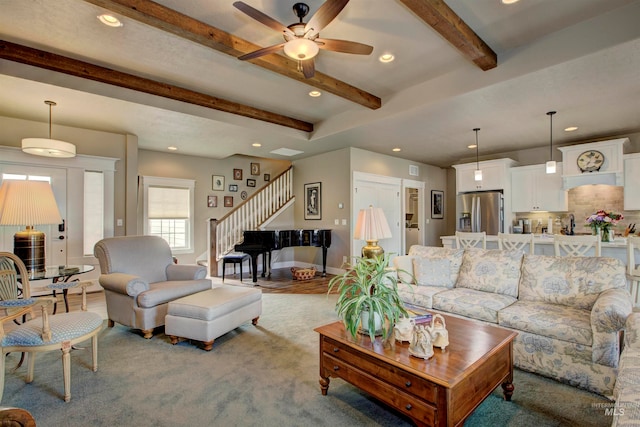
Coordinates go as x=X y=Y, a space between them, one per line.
x=603 y=220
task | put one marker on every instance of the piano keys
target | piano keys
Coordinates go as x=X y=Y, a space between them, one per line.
x=258 y=242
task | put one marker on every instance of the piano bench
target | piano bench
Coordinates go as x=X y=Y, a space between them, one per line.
x=234 y=258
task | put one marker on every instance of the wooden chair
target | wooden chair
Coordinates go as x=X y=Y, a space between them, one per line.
x=47 y=333
x=466 y=240
x=576 y=245
x=514 y=242
x=633 y=267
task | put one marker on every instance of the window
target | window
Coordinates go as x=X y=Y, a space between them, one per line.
x=93 y=210
x=168 y=207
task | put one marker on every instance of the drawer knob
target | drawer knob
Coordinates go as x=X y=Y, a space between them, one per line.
x=408 y=383
x=409 y=407
x=336 y=368
x=336 y=349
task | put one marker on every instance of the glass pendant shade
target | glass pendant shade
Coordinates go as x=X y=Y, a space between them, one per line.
x=301 y=49
x=551 y=166
x=477 y=175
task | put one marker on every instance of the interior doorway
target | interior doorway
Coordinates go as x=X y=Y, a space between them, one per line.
x=414 y=213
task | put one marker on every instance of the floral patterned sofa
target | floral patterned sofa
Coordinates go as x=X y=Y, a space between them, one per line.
x=569 y=312
x=627 y=389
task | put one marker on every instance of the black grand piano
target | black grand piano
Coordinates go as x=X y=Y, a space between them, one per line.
x=256 y=243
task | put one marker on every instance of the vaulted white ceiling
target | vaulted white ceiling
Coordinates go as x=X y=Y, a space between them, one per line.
x=578 y=57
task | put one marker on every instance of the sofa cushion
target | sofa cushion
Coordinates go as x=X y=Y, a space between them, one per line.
x=432 y=252
x=570 y=281
x=432 y=272
x=404 y=266
x=421 y=296
x=163 y=292
x=491 y=270
x=549 y=320
x=472 y=303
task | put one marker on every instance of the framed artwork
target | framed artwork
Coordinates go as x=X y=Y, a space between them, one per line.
x=267 y=177
x=217 y=182
x=251 y=182
x=212 y=201
x=244 y=195
x=313 y=201
x=237 y=174
x=228 y=201
x=437 y=204
x=233 y=188
x=255 y=168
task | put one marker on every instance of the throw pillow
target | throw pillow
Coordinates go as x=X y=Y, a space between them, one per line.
x=404 y=267
x=432 y=272
x=491 y=270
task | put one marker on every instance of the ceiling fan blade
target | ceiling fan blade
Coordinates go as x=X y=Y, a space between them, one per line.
x=308 y=68
x=261 y=52
x=324 y=15
x=262 y=18
x=344 y=46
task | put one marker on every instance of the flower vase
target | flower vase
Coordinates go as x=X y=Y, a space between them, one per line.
x=605 y=235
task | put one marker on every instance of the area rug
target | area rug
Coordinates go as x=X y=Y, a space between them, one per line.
x=254 y=376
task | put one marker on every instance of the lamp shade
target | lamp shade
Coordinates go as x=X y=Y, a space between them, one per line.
x=301 y=48
x=48 y=147
x=28 y=203
x=372 y=225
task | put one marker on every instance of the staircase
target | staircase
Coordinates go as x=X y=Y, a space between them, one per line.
x=252 y=214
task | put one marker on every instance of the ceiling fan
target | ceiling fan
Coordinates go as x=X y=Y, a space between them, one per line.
x=302 y=41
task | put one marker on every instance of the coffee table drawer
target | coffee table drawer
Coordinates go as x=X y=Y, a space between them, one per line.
x=401 y=401
x=386 y=372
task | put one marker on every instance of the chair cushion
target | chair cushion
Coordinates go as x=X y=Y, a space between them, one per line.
x=421 y=296
x=214 y=303
x=471 y=303
x=163 y=292
x=64 y=327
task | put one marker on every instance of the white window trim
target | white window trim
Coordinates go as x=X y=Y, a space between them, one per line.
x=154 y=181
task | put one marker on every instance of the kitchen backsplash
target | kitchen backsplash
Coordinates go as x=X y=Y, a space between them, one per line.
x=584 y=201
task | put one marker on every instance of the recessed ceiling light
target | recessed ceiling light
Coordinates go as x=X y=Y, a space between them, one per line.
x=510 y=1
x=471 y=146
x=387 y=57
x=172 y=148
x=109 y=20
x=397 y=149
x=256 y=144
x=571 y=129
x=315 y=93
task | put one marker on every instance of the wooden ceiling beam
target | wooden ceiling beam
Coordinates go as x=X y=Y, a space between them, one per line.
x=51 y=61
x=169 y=20
x=445 y=21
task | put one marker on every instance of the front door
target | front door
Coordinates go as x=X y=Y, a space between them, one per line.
x=55 y=234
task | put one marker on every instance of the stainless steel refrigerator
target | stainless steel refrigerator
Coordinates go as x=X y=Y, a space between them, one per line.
x=481 y=211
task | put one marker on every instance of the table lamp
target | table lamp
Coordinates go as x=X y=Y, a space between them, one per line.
x=372 y=226
x=32 y=203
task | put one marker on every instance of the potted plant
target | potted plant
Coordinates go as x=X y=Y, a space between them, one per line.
x=368 y=297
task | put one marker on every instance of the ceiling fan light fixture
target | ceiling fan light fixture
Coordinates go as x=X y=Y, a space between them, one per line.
x=301 y=49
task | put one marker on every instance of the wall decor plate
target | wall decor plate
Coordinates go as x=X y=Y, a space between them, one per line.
x=243 y=195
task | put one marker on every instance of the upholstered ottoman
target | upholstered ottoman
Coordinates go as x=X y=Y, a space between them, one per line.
x=209 y=314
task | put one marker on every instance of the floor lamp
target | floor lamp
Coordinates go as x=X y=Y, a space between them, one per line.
x=28 y=203
x=372 y=226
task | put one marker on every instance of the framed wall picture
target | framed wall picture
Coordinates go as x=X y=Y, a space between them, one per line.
x=237 y=174
x=267 y=177
x=217 y=182
x=212 y=201
x=437 y=204
x=255 y=168
x=251 y=182
x=233 y=188
x=313 y=201
x=228 y=201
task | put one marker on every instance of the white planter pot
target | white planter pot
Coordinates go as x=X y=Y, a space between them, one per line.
x=364 y=322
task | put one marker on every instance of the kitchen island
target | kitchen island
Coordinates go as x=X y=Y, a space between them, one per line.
x=543 y=245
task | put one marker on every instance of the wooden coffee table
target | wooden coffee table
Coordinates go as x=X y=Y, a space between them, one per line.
x=441 y=391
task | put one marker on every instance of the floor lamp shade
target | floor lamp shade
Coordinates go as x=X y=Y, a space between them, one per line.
x=28 y=203
x=372 y=226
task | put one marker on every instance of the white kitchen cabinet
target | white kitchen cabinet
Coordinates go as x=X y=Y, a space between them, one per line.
x=495 y=175
x=631 y=182
x=532 y=189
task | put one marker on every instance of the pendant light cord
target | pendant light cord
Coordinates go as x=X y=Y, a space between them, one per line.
x=550 y=114
x=477 y=158
x=50 y=104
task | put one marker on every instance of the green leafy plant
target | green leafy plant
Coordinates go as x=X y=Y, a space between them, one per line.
x=368 y=285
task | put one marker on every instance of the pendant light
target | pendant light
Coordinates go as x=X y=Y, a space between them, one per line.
x=46 y=146
x=551 y=164
x=477 y=175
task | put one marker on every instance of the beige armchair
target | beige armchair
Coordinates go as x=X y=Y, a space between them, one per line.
x=140 y=279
